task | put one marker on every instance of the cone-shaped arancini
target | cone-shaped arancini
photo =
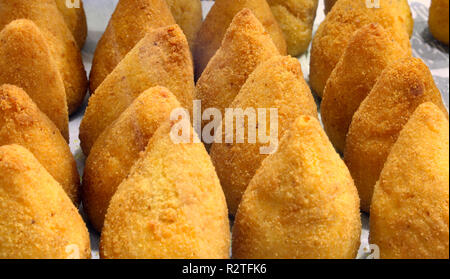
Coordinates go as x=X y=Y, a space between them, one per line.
x=400 y=89
x=275 y=84
x=217 y=22
x=162 y=58
x=296 y=18
x=26 y=61
x=21 y=122
x=346 y=17
x=245 y=45
x=75 y=19
x=301 y=203
x=188 y=15
x=352 y=79
x=168 y=207
x=438 y=20
x=130 y=22
x=119 y=146
x=409 y=213
x=65 y=51
x=37 y=219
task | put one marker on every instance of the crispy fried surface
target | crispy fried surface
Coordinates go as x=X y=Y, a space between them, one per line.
x=246 y=44
x=409 y=213
x=168 y=207
x=37 y=219
x=21 y=122
x=368 y=52
x=162 y=58
x=75 y=19
x=187 y=14
x=60 y=41
x=217 y=22
x=26 y=61
x=346 y=17
x=375 y=127
x=296 y=18
x=119 y=146
x=131 y=21
x=275 y=83
x=438 y=20
x=301 y=203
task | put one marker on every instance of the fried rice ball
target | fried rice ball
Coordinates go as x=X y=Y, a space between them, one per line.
x=161 y=58
x=37 y=219
x=375 y=127
x=352 y=79
x=438 y=20
x=301 y=203
x=277 y=84
x=168 y=207
x=130 y=22
x=346 y=17
x=64 y=49
x=409 y=213
x=21 y=122
x=217 y=23
x=119 y=146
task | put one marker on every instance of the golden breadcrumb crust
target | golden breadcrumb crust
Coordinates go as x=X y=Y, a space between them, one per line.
x=409 y=213
x=188 y=15
x=438 y=20
x=26 y=61
x=168 y=207
x=75 y=19
x=119 y=146
x=162 y=58
x=37 y=219
x=245 y=45
x=375 y=127
x=217 y=22
x=346 y=17
x=367 y=54
x=60 y=40
x=301 y=204
x=130 y=22
x=276 y=83
x=296 y=18
x=21 y=122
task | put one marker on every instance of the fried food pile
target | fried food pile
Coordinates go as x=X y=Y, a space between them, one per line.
x=156 y=187
x=58 y=40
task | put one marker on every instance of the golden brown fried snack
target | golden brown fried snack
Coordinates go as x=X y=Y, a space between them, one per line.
x=168 y=207
x=296 y=18
x=21 y=122
x=37 y=219
x=301 y=203
x=188 y=15
x=400 y=89
x=75 y=19
x=438 y=20
x=276 y=83
x=119 y=146
x=246 y=44
x=409 y=213
x=368 y=52
x=60 y=41
x=131 y=21
x=346 y=17
x=25 y=61
x=162 y=58
x=217 y=22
